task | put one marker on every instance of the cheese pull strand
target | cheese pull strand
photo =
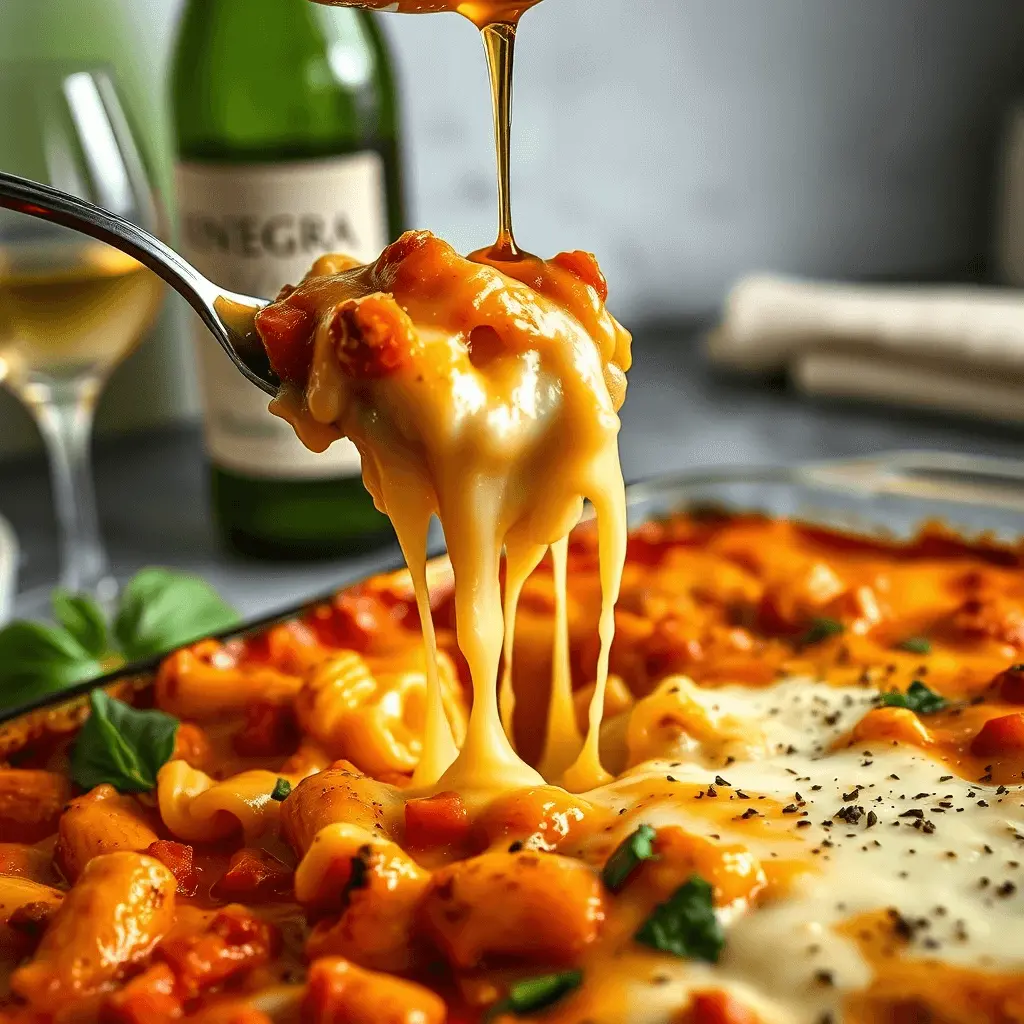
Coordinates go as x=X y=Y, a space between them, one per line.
x=563 y=742
x=520 y=561
x=610 y=503
x=487 y=760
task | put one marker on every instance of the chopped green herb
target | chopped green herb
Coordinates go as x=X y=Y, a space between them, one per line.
x=819 y=630
x=918 y=698
x=281 y=790
x=533 y=994
x=122 y=746
x=626 y=858
x=916 y=645
x=685 y=924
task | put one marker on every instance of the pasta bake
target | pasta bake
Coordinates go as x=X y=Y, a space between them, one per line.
x=816 y=743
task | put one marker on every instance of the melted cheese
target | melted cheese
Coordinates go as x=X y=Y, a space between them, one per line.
x=563 y=741
x=485 y=393
x=943 y=875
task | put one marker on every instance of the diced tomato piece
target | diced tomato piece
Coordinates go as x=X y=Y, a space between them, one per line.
x=287 y=334
x=583 y=265
x=352 y=621
x=373 y=336
x=440 y=820
x=1010 y=683
x=719 y=1008
x=254 y=875
x=178 y=857
x=191 y=744
x=394 y=255
x=235 y=941
x=147 y=999
x=270 y=730
x=1000 y=737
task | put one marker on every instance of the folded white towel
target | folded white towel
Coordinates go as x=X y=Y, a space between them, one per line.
x=8 y=569
x=955 y=349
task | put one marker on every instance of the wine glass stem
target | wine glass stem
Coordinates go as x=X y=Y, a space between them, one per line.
x=65 y=416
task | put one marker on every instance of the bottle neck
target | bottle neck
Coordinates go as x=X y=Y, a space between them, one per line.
x=262 y=76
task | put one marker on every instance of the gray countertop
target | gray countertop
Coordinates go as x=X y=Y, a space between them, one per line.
x=679 y=415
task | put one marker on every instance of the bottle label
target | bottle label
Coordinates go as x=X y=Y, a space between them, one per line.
x=251 y=229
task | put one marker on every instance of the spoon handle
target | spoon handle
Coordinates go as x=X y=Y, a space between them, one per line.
x=51 y=204
x=47 y=203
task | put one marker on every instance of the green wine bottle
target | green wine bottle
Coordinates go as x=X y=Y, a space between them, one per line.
x=287 y=127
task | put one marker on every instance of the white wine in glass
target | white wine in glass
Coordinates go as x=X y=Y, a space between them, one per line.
x=68 y=311
x=71 y=308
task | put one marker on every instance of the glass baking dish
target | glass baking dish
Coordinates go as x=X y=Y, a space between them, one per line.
x=890 y=495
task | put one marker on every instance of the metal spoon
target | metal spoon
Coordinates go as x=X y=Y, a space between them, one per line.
x=228 y=315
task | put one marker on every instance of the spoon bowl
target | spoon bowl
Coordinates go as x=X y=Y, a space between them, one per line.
x=229 y=315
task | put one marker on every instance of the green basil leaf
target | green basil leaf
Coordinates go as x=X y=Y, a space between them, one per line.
x=83 y=618
x=161 y=610
x=918 y=698
x=821 y=629
x=685 y=924
x=534 y=994
x=916 y=645
x=122 y=746
x=36 y=660
x=282 y=789
x=636 y=847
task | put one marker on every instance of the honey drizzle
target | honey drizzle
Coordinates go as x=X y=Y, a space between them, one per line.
x=499 y=40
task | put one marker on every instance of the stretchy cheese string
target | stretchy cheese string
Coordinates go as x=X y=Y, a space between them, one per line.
x=609 y=499
x=519 y=564
x=563 y=741
x=497 y=414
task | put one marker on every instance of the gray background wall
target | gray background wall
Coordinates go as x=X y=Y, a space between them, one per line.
x=685 y=142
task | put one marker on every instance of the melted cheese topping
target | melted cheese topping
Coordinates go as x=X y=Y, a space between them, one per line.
x=485 y=393
x=877 y=842
x=863 y=859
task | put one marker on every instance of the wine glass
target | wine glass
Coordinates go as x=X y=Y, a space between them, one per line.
x=71 y=308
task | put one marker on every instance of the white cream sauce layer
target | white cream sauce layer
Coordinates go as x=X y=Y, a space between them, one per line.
x=883 y=827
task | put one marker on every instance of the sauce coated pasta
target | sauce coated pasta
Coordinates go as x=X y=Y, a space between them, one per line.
x=816 y=745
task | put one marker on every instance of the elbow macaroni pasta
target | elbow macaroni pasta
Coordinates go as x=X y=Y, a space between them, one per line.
x=373 y=716
x=205 y=681
x=196 y=808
